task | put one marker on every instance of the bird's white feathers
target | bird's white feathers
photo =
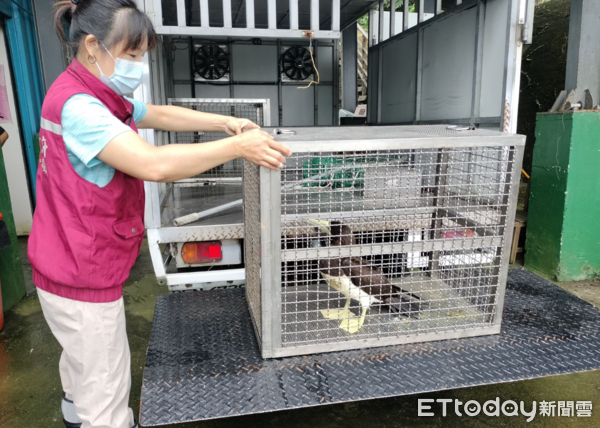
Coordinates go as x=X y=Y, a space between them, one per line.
x=344 y=285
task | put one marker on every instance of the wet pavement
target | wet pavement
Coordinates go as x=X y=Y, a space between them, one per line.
x=30 y=386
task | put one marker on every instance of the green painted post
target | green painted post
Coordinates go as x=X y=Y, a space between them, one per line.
x=563 y=230
x=11 y=271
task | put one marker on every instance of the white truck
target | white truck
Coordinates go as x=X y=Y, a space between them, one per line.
x=446 y=61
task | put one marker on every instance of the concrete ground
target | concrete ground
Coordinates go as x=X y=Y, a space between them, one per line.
x=30 y=388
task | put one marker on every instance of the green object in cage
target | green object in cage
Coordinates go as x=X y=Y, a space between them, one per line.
x=347 y=172
x=344 y=173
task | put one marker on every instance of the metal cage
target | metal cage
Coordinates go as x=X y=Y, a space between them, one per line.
x=218 y=186
x=253 y=110
x=215 y=195
x=375 y=236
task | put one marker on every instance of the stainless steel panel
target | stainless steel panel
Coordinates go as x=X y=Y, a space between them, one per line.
x=294 y=15
x=254 y=63
x=250 y=17
x=182 y=91
x=325 y=65
x=242 y=32
x=346 y=138
x=204 y=14
x=325 y=105
x=399 y=80
x=373 y=97
x=448 y=61
x=272 y=11
x=314 y=15
x=209 y=91
x=181 y=57
x=298 y=106
x=208 y=230
x=494 y=57
x=181 y=13
x=227 y=16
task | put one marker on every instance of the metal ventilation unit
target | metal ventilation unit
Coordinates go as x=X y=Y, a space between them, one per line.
x=211 y=63
x=377 y=236
x=296 y=64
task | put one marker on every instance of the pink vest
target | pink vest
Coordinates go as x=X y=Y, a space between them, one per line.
x=85 y=239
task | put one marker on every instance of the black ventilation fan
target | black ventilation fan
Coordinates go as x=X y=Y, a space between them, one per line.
x=296 y=63
x=211 y=62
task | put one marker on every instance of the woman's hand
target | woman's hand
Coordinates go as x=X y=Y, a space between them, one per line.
x=235 y=126
x=260 y=148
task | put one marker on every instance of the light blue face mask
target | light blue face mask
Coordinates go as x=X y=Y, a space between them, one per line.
x=126 y=77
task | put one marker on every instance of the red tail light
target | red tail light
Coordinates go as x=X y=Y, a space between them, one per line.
x=194 y=253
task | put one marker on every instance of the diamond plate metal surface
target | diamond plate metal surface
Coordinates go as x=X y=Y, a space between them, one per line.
x=203 y=360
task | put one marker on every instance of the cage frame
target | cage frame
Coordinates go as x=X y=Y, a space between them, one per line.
x=269 y=334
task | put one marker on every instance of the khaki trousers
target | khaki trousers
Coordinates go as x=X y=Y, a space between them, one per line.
x=95 y=365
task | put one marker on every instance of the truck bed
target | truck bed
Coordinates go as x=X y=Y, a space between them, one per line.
x=204 y=362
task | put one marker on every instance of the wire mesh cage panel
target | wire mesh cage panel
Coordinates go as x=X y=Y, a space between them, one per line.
x=253 y=110
x=217 y=191
x=377 y=236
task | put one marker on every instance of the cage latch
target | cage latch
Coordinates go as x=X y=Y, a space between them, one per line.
x=279 y=131
x=461 y=128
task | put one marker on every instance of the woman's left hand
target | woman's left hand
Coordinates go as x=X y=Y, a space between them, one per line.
x=235 y=126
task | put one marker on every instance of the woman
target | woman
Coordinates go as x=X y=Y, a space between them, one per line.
x=88 y=224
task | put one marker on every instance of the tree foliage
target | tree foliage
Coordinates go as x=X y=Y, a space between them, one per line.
x=412 y=8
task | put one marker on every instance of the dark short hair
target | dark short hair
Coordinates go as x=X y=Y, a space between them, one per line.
x=110 y=21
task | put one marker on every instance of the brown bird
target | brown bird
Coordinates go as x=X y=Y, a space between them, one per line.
x=359 y=280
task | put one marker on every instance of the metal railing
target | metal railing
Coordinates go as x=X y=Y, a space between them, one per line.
x=234 y=25
x=411 y=13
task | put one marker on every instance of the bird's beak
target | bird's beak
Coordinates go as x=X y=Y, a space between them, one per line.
x=323 y=225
